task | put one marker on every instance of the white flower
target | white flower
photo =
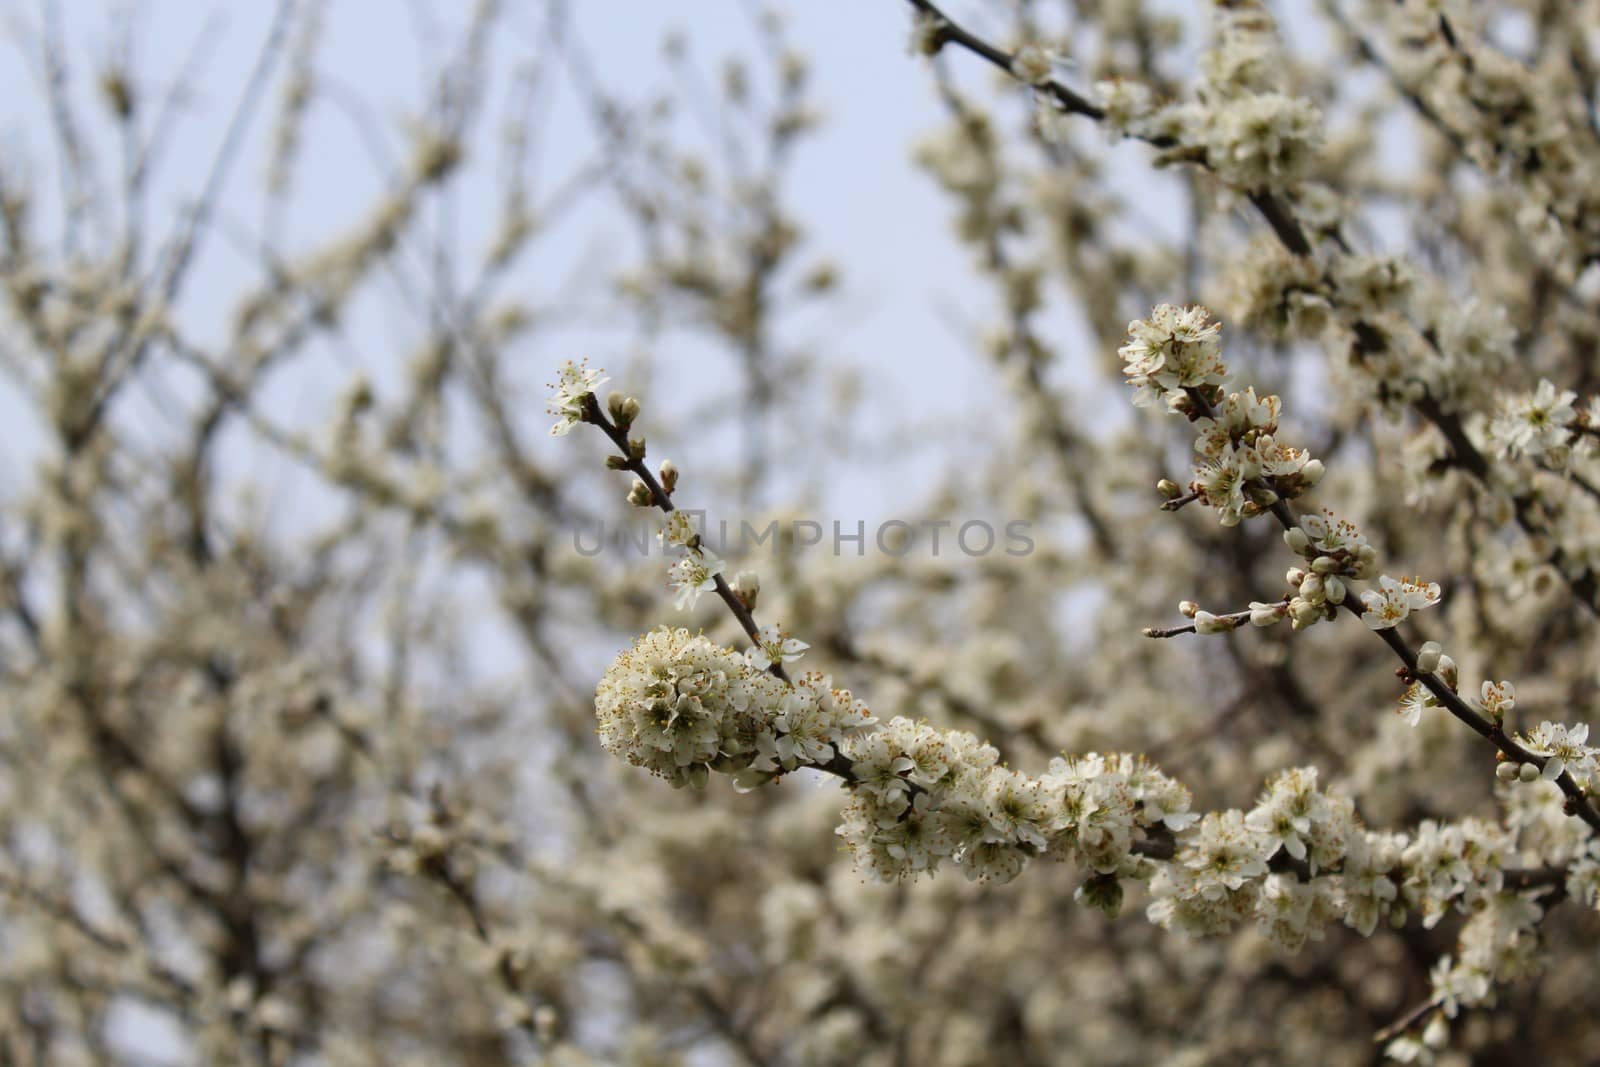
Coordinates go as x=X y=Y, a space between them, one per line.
x=1286 y=811
x=1394 y=599
x=1368 y=889
x=575 y=381
x=993 y=861
x=1221 y=483
x=1415 y=699
x=1498 y=698
x=881 y=767
x=1262 y=141
x=1175 y=348
x=772 y=645
x=1534 y=424
x=1583 y=881
x=678 y=530
x=1032 y=64
x=806 y=729
x=692 y=576
x=1331 y=536
x=1564 y=748
x=1126 y=103
x=1225 y=853
x=1017 y=806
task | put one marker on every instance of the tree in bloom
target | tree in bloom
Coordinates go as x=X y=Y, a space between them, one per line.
x=360 y=712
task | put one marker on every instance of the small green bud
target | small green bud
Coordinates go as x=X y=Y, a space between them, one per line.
x=1103 y=892
x=624 y=409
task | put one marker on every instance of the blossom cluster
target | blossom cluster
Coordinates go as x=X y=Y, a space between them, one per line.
x=920 y=797
x=1175 y=356
x=681 y=706
x=1253 y=136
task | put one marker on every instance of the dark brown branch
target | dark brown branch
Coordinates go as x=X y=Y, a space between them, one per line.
x=636 y=465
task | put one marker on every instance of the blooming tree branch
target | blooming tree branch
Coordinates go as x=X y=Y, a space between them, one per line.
x=920 y=797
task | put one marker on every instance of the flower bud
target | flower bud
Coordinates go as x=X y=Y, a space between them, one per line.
x=1297 y=540
x=1428 y=657
x=1187 y=608
x=1528 y=772
x=1446 y=671
x=1294 y=576
x=1207 y=623
x=1506 y=772
x=1261 y=495
x=1169 y=488
x=639 y=496
x=747 y=586
x=1437 y=1033
x=1031 y=64
x=669 y=476
x=624 y=409
x=1265 y=614
x=1333 y=589
x=1311 y=589
x=1324 y=565
x=1312 y=472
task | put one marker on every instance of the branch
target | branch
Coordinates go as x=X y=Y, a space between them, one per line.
x=636 y=465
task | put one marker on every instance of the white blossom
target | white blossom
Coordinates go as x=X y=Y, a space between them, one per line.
x=771 y=646
x=1565 y=748
x=693 y=575
x=574 y=382
x=1395 y=599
